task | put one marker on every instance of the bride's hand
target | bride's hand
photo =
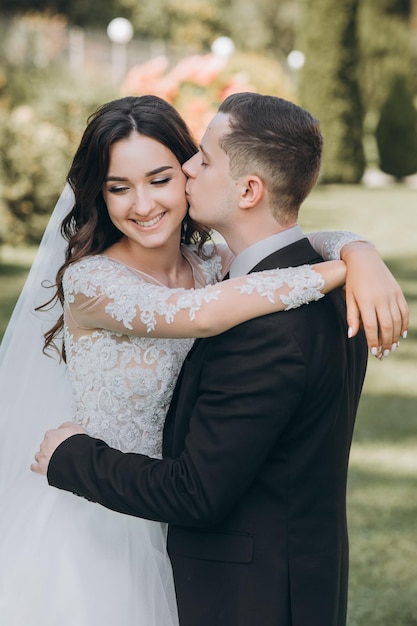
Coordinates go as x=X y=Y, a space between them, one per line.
x=374 y=299
x=52 y=439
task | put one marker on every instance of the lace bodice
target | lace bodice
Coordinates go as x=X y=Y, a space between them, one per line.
x=122 y=385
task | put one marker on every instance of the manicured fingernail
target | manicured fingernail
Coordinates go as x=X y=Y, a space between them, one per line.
x=350 y=332
x=374 y=351
x=404 y=334
x=386 y=353
x=394 y=346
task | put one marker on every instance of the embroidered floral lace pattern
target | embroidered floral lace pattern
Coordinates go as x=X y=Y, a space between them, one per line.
x=127 y=296
x=122 y=385
x=329 y=244
x=304 y=283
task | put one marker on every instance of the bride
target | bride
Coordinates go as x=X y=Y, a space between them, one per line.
x=130 y=299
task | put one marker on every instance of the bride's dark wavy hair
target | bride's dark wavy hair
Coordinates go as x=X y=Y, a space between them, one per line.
x=88 y=228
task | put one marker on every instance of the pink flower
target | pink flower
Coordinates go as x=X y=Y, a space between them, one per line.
x=144 y=78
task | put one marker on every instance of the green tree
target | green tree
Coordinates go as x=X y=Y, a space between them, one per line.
x=396 y=132
x=385 y=51
x=329 y=85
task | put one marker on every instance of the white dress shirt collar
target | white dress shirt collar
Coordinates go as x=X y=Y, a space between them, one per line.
x=246 y=260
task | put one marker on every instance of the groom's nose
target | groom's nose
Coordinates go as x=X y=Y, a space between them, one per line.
x=189 y=167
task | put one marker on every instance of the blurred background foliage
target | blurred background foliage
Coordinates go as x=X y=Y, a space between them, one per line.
x=57 y=66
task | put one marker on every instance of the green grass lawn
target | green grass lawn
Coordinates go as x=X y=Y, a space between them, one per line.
x=382 y=498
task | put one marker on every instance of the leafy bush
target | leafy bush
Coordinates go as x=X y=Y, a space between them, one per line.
x=43 y=112
x=396 y=132
x=35 y=157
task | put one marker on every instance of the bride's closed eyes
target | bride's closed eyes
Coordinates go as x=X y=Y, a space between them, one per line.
x=117 y=189
x=157 y=182
x=161 y=181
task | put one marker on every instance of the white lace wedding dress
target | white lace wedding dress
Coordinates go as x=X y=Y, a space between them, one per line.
x=65 y=561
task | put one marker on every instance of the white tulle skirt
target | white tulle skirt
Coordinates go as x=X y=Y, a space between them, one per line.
x=65 y=561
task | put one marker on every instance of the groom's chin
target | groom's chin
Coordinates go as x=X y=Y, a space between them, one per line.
x=192 y=212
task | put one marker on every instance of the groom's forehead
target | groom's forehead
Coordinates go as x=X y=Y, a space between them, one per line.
x=216 y=129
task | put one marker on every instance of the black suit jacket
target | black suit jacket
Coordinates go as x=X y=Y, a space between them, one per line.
x=253 y=483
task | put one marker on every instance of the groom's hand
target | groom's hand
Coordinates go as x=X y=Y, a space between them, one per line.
x=52 y=439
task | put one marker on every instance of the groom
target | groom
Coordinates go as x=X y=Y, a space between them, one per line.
x=257 y=438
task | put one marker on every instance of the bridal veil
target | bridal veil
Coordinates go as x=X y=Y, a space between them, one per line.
x=35 y=392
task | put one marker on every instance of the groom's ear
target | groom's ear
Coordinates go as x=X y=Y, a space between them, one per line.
x=251 y=192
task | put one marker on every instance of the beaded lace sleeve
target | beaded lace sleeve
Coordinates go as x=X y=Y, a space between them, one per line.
x=329 y=243
x=103 y=293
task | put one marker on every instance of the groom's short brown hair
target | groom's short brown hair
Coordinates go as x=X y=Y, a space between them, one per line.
x=277 y=140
